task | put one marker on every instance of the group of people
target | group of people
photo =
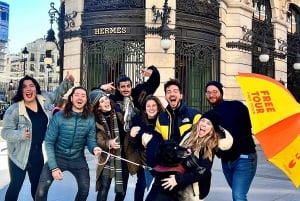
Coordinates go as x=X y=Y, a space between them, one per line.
x=125 y=131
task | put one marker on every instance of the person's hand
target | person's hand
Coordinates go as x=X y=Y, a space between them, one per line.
x=27 y=134
x=114 y=144
x=97 y=151
x=70 y=77
x=57 y=174
x=134 y=131
x=146 y=137
x=109 y=87
x=169 y=183
x=147 y=72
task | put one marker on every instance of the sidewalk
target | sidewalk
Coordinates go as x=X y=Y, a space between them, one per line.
x=269 y=184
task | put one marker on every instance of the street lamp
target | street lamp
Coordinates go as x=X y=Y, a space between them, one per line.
x=63 y=21
x=48 y=62
x=164 y=31
x=25 y=56
x=49 y=69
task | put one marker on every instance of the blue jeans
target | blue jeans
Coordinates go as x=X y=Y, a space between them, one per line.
x=140 y=185
x=239 y=175
x=77 y=167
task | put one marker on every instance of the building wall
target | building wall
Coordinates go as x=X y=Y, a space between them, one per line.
x=234 y=14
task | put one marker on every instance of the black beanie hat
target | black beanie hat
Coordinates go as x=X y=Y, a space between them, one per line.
x=216 y=84
x=214 y=117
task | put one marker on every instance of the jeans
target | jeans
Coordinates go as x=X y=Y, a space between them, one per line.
x=77 y=167
x=17 y=175
x=105 y=185
x=140 y=185
x=239 y=175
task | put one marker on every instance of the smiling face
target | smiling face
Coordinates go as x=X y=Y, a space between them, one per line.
x=205 y=127
x=79 y=100
x=173 y=96
x=213 y=95
x=104 y=104
x=29 y=91
x=151 y=109
x=125 y=88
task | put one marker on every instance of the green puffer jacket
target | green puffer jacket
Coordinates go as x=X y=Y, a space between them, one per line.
x=67 y=137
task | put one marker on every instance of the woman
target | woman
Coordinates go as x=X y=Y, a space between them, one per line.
x=110 y=138
x=204 y=140
x=24 y=127
x=144 y=126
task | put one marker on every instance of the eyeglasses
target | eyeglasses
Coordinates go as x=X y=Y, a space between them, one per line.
x=215 y=92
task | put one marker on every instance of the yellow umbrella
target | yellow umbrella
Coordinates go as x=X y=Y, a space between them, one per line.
x=275 y=117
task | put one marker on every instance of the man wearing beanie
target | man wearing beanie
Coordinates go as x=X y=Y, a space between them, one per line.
x=240 y=161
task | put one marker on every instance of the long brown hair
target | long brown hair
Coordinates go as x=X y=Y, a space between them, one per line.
x=206 y=145
x=69 y=104
x=160 y=107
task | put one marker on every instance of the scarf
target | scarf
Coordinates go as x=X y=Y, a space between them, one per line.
x=113 y=168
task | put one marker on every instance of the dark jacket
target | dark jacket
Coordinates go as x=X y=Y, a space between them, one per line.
x=236 y=119
x=141 y=91
x=139 y=154
x=173 y=124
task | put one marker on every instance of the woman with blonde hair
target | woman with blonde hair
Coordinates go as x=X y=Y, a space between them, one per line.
x=204 y=140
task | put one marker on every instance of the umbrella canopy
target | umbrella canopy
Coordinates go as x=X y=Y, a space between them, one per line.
x=275 y=117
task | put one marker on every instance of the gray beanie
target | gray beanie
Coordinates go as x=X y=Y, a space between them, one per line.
x=95 y=96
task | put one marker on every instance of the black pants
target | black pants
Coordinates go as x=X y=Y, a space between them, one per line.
x=17 y=175
x=77 y=167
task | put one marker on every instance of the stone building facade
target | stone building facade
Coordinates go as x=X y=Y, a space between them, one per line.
x=211 y=40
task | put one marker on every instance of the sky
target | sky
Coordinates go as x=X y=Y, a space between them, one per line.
x=28 y=21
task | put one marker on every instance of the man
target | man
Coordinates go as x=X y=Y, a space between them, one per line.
x=68 y=133
x=131 y=99
x=238 y=163
x=177 y=118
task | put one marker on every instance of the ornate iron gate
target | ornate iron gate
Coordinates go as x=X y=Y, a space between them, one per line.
x=197 y=48
x=195 y=66
x=106 y=61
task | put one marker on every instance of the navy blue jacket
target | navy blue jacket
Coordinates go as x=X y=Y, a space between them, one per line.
x=236 y=119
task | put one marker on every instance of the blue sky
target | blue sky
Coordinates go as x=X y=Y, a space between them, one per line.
x=28 y=21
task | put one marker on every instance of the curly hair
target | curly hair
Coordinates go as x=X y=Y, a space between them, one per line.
x=19 y=95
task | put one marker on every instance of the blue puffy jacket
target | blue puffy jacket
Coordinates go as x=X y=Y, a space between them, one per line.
x=67 y=137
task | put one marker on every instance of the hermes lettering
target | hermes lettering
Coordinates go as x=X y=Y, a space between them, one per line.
x=110 y=30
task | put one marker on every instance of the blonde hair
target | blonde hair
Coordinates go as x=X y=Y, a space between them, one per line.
x=205 y=145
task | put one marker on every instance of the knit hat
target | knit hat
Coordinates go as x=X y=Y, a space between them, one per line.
x=214 y=118
x=216 y=84
x=95 y=96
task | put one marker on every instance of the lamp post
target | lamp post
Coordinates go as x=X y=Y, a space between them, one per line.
x=48 y=62
x=25 y=55
x=164 y=31
x=49 y=69
x=63 y=21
